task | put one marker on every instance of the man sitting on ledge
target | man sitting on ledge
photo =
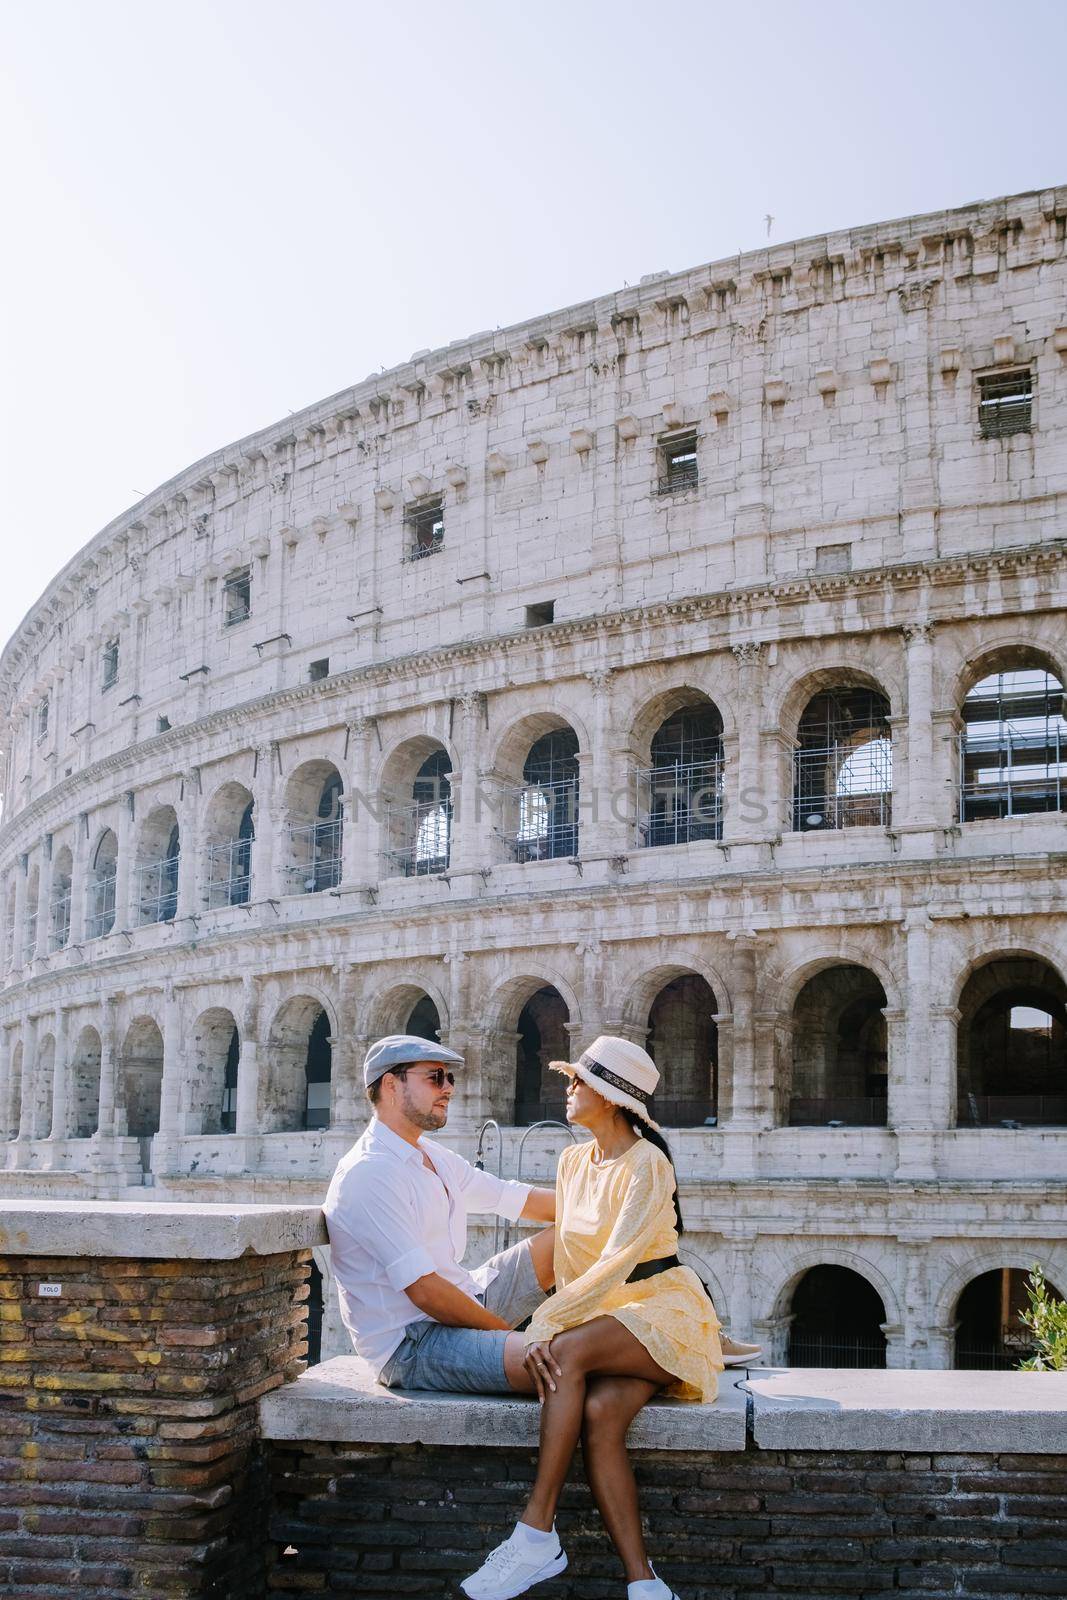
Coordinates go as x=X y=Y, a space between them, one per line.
x=396 y=1212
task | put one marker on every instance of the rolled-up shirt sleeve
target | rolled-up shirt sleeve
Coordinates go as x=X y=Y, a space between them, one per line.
x=483 y=1191
x=383 y=1220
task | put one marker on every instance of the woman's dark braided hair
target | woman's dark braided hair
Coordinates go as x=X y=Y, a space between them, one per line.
x=641 y=1127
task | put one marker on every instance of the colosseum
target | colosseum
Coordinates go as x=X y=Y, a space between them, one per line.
x=686 y=664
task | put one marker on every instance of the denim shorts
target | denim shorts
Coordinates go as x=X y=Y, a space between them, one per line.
x=469 y=1360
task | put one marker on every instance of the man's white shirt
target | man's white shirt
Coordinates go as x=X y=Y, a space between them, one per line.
x=391 y=1221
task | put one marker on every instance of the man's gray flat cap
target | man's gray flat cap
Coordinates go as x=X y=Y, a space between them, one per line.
x=398 y=1049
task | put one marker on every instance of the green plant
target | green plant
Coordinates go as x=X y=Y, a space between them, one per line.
x=1047 y=1321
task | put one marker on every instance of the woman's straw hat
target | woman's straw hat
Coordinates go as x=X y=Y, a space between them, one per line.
x=619 y=1070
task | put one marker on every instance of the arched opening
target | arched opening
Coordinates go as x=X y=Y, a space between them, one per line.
x=100 y=896
x=315 y=809
x=424 y=1021
x=59 y=909
x=680 y=793
x=840 y=1061
x=420 y=826
x=29 y=917
x=542 y=1037
x=546 y=805
x=296 y=1094
x=214 y=1059
x=683 y=1040
x=315 y=1314
x=843 y=762
x=837 y=1320
x=1012 y=1046
x=85 y=1083
x=1013 y=747
x=157 y=867
x=230 y=833
x=989 y=1333
x=141 y=1080
x=44 y=1081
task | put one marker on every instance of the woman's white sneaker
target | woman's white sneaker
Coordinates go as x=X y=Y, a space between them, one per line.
x=514 y=1567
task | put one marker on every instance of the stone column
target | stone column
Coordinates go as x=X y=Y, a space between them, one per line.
x=6 y=1086
x=105 y=1116
x=917 y=1105
x=919 y=648
x=264 y=864
x=44 y=900
x=916 y=1310
x=61 y=1077
x=746 y=811
x=247 y=1110
x=165 y=1142
x=944 y=1046
x=605 y=794
x=18 y=937
x=124 y=865
x=78 y=876
x=189 y=870
x=359 y=862
x=746 y=1115
x=471 y=842
x=347 y=1084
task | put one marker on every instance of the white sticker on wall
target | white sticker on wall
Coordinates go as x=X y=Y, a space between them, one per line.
x=49 y=1290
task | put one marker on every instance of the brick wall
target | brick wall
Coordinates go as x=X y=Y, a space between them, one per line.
x=381 y=1521
x=129 y=1461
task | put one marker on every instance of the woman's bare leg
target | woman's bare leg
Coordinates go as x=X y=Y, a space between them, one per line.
x=611 y=1404
x=601 y=1348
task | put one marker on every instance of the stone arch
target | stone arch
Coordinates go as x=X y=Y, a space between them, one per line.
x=100 y=885
x=530 y=1021
x=842 y=754
x=522 y=731
x=537 y=767
x=156 y=873
x=1013 y=740
x=836 y=1318
x=780 y=987
x=299 y=1063
x=804 y=685
x=835 y=1255
x=651 y=713
x=683 y=1040
x=314 y=815
x=204 y=1102
x=681 y=769
x=388 y=1009
x=59 y=907
x=85 y=1083
x=838 y=1061
x=1011 y=1043
x=415 y=790
x=15 y=1088
x=229 y=834
x=44 y=1071
x=642 y=988
x=141 y=1076
x=706 y=1273
x=998 y=1253
x=1007 y=652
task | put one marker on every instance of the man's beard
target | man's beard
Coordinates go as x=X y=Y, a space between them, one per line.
x=426 y=1120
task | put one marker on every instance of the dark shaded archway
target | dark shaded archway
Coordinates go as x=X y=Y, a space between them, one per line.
x=837 y=1320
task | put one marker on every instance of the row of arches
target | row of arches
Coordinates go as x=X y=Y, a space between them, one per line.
x=1012 y=739
x=837 y=1318
x=832 y=1067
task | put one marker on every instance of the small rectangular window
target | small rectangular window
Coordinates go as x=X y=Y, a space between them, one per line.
x=540 y=615
x=162 y=724
x=42 y=718
x=110 y=663
x=833 y=558
x=1004 y=403
x=319 y=669
x=425 y=525
x=237 y=597
x=678 y=463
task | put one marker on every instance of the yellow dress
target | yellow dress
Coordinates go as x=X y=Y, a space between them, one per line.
x=608 y=1219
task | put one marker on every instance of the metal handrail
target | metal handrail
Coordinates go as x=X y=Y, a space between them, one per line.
x=100 y=921
x=322 y=842
x=232 y=885
x=682 y=788
x=547 y=825
x=425 y=830
x=157 y=890
x=547 y=1122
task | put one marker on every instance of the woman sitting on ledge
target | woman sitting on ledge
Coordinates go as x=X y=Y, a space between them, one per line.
x=627 y=1321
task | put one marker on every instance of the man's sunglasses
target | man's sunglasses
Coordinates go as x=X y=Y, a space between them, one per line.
x=438 y=1076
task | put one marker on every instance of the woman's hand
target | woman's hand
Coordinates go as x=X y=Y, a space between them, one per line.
x=540 y=1363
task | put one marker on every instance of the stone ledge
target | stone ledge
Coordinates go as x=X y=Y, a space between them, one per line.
x=339 y=1402
x=174 y=1232
x=912 y=1409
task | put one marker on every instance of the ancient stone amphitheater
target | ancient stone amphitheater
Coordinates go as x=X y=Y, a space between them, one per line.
x=685 y=664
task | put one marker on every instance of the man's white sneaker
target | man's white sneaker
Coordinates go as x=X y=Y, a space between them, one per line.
x=513 y=1567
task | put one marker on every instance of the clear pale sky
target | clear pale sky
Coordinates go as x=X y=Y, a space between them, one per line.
x=220 y=212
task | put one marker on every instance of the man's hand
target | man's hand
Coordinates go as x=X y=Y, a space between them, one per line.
x=540 y=1206
x=445 y=1303
x=541 y=1364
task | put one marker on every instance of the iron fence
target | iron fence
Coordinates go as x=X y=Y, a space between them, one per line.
x=1023 y=1110
x=546 y=820
x=843 y=786
x=157 y=890
x=229 y=873
x=100 y=918
x=422 y=837
x=60 y=919
x=1012 y=774
x=680 y=803
x=315 y=848
x=854 y=1111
